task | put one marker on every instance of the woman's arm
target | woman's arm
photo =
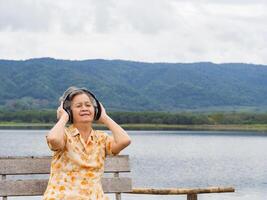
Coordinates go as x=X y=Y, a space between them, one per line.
x=55 y=137
x=121 y=138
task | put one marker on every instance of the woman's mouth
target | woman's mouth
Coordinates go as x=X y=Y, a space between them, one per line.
x=84 y=114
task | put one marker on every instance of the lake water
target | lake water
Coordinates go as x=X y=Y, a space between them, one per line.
x=176 y=159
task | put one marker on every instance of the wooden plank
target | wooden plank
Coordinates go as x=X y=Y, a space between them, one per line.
x=117 y=185
x=38 y=186
x=119 y=163
x=4 y=178
x=22 y=187
x=177 y=191
x=41 y=165
x=25 y=165
x=117 y=195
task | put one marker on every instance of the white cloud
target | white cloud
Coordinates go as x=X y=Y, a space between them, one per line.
x=151 y=30
x=24 y=15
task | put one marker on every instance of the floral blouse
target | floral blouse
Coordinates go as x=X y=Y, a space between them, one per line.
x=76 y=170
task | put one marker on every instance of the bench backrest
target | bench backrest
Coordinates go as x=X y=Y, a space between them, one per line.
x=41 y=165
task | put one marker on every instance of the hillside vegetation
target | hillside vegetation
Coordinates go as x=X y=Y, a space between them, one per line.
x=134 y=86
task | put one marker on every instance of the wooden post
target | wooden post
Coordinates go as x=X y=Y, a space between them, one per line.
x=118 y=195
x=4 y=178
x=192 y=197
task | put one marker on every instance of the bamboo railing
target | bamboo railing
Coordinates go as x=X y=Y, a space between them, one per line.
x=190 y=192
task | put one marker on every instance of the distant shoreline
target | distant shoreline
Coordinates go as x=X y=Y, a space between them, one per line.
x=219 y=127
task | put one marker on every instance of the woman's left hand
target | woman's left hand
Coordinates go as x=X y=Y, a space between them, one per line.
x=120 y=138
x=103 y=117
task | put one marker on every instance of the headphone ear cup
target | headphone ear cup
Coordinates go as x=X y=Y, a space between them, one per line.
x=70 y=115
x=97 y=110
x=66 y=107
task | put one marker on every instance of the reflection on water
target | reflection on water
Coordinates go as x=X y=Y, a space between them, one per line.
x=176 y=159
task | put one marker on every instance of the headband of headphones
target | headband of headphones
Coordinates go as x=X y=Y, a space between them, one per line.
x=67 y=103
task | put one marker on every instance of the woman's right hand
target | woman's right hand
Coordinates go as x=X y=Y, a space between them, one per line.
x=56 y=137
x=61 y=113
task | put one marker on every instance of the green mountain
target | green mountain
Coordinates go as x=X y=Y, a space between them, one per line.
x=134 y=86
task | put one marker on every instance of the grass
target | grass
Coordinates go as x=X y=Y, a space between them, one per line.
x=20 y=125
x=218 y=127
x=221 y=127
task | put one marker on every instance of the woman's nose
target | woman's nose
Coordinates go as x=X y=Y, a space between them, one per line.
x=84 y=107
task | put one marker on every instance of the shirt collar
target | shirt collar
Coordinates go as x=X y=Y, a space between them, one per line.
x=73 y=130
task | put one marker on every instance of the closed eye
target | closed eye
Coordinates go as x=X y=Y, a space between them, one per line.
x=78 y=105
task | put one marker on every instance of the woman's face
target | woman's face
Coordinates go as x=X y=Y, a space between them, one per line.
x=82 y=109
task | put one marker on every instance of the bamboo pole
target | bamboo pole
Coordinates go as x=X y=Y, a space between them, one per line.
x=192 y=197
x=177 y=191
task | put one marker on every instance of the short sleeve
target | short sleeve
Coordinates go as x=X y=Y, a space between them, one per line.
x=108 y=143
x=50 y=146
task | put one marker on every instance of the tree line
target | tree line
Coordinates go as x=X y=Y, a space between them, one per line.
x=49 y=116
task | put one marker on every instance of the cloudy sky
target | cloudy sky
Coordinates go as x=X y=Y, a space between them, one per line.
x=141 y=30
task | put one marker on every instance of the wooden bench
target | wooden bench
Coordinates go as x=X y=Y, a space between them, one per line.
x=41 y=165
x=112 y=184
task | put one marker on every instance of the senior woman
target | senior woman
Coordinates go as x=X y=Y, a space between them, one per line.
x=79 y=151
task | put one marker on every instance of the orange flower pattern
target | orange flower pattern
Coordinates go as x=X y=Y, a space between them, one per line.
x=76 y=170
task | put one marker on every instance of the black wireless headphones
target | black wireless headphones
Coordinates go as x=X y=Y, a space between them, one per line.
x=67 y=102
